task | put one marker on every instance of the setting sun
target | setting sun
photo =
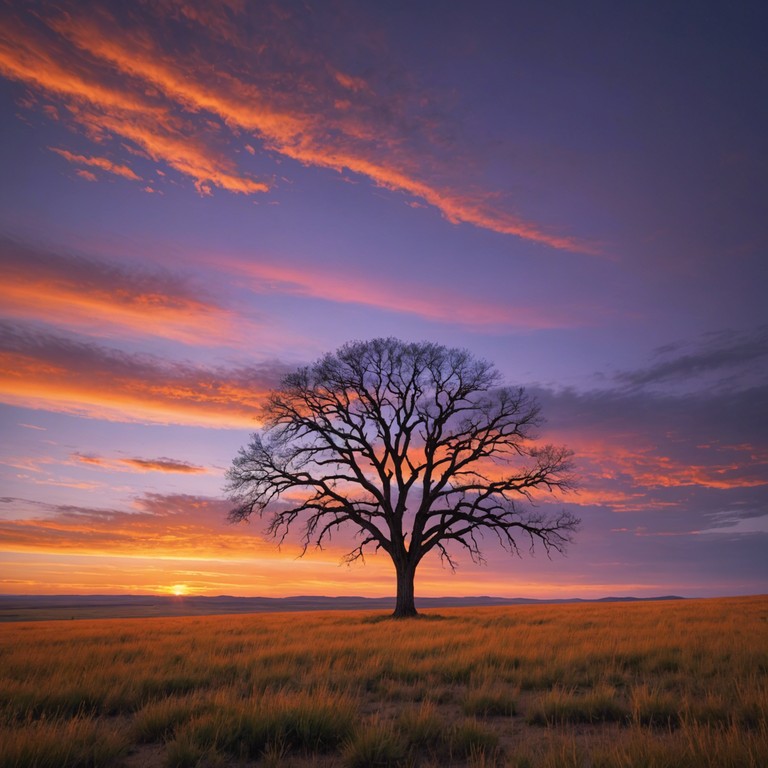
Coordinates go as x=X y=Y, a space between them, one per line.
x=179 y=589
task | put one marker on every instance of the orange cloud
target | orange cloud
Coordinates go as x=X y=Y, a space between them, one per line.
x=27 y=56
x=39 y=370
x=173 y=527
x=665 y=472
x=617 y=472
x=438 y=306
x=161 y=526
x=220 y=20
x=172 y=144
x=87 y=175
x=97 y=162
x=101 y=107
x=142 y=465
x=351 y=83
x=116 y=79
x=102 y=299
x=164 y=465
x=456 y=207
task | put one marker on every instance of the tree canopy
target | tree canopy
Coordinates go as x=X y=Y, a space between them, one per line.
x=415 y=446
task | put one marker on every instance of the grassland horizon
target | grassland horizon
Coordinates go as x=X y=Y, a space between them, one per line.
x=603 y=684
x=49 y=607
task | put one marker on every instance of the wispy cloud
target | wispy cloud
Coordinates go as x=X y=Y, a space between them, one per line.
x=435 y=304
x=155 y=525
x=651 y=468
x=643 y=449
x=728 y=358
x=115 y=75
x=137 y=464
x=159 y=525
x=103 y=299
x=103 y=108
x=164 y=465
x=97 y=162
x=44 y=370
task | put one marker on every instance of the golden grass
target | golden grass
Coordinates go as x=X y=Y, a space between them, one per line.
x=682 y=683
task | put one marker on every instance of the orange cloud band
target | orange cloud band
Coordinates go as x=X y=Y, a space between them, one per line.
x=40 y=370
x=99 y=298
x=100 y=106
x=97 y=162
x=438 y=305
x=335 y=122
x=605 y=461
x=140 y=465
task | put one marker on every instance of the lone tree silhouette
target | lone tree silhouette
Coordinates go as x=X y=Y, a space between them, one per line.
x=416 y=446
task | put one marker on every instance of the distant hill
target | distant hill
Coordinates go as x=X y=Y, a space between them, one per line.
x=45 y=607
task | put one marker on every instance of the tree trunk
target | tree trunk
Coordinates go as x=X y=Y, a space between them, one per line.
x=405 y=605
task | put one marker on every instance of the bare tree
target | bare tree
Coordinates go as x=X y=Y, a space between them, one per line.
x=416 y=446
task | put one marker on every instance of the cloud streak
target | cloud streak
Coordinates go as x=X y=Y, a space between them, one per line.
x=157 y=525
x=137 y=464
x=103 y=299
x=104 y=108
x=97 y=162
x=45 y=370
x=115 y=75
x=175 y=525
x=732 y=359
x=435 y=305
x=645 y=450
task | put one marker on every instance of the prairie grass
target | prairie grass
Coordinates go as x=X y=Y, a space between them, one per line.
x=559 y=707
x=375 y=744
x=680 y=683
x=492 y=700
x=76 y=741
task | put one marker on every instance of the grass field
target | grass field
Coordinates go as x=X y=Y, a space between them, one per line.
x=670 y=685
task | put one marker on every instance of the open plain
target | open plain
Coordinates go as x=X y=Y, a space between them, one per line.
x=679 y=683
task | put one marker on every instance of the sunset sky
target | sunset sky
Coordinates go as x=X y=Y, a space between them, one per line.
x=198 y=197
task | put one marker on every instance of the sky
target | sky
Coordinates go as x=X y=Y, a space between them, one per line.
x=197 y=198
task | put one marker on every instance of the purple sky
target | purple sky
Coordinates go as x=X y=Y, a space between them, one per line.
x=197 y=198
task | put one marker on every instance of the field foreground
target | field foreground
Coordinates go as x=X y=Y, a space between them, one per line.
x=681 y=684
